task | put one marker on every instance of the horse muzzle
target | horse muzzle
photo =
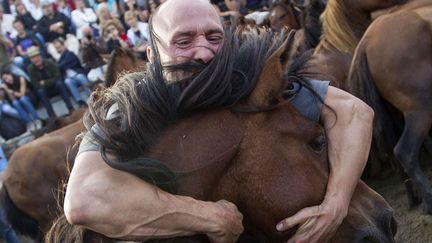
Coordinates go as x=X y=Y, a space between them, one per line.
x=383 y=231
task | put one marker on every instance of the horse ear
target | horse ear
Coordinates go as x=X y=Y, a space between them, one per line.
x=270 y=82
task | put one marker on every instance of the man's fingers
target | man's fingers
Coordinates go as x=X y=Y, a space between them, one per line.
x=297 y=218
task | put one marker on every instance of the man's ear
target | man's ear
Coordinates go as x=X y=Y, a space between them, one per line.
x=149 y=54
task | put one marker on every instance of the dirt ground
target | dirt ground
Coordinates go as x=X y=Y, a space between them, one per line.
x=413 y=225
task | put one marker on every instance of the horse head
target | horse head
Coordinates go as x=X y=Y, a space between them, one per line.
x=267 y=159
x=283 y=14
x=121 y=60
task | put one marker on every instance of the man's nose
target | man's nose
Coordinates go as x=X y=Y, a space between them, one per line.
x=203 y=51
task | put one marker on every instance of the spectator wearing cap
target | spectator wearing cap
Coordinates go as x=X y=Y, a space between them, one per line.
x=74 y=73
x=25 y=17
x=138 y=33
x=16 y=88
x=90 y=51
x=46 y=77
x=82 y=17
x=54 y=25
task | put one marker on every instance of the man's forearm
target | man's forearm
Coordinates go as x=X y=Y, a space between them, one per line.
x=120 y=205
x=349 y=139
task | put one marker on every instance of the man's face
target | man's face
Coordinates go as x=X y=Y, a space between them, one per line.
x=18 y=26
x=36 y=60
x=47 y=10
x=190 y=31
x=59 y=47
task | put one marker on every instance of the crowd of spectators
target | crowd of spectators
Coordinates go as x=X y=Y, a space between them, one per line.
x=55 y=47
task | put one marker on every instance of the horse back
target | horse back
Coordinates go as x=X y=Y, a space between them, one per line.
x=32 y=176
x=407 y=34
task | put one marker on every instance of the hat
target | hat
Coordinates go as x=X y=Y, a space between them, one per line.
x=33 y=51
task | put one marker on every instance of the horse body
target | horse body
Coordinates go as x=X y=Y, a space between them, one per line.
x=344 y=23
x=393 y=61
x=33 y=192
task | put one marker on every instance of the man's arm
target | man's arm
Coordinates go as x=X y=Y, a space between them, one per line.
x=120 y=205
x=348 y=123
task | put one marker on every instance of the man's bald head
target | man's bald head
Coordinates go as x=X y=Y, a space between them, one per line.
x=171 y=11
x=185 y=30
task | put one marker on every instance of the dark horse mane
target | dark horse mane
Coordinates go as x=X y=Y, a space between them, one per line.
x=148 y=103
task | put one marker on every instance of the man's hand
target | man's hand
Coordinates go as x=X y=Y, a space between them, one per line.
x=316 y=224
x=228 y=223
x=42 y=82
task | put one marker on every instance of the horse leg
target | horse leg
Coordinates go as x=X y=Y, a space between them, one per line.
x=412 y=193
x=407 y=151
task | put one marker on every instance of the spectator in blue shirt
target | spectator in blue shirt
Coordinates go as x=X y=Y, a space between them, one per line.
x=75 y=75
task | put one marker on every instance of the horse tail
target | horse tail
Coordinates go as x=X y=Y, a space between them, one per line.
x=19 y=220
x=361 y=84
x=64 y=232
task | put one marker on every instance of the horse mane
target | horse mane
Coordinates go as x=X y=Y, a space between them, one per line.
x=336 y=29
x=148 y=103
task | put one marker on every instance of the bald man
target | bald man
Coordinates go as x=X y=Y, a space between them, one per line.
x=120 y=205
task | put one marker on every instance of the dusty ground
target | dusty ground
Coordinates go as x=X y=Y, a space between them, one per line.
x=413 y=225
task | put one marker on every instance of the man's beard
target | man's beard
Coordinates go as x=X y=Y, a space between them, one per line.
x=183 y=72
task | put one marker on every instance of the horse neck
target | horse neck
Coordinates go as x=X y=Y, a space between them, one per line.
x=342 y=27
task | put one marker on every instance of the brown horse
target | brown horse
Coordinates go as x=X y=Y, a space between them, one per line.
x=343 y=23
x=37 y=169
x=392 y=71
x=258 y=153
x=306 y=13
x=283 y=14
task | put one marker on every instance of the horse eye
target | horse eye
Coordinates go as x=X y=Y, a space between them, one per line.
x=318 y=144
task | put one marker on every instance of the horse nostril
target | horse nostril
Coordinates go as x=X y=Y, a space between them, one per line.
x=384 y=231
x=388 y=223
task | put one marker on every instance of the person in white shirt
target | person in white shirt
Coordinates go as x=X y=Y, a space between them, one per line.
x=82 y=17
x=138 y=33
x=6 y=21
x=35 y=9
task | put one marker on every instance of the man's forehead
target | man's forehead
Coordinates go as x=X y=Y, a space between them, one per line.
x=173 y=12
